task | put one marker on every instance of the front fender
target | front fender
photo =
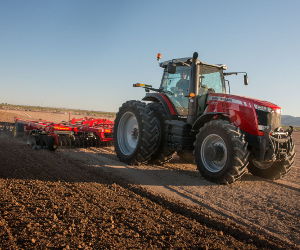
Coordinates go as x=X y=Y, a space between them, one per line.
x=207 y=117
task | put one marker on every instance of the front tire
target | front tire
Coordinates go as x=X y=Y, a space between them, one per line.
x=277 y=170
x=136 y=133
x=221 y=152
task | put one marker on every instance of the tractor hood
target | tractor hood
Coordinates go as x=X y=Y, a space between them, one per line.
x=242 y=100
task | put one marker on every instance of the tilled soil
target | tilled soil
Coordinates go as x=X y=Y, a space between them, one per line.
x=269 y=208
x=86 y=198
x=49 y=200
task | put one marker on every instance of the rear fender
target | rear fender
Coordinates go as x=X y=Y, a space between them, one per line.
x=164 y=100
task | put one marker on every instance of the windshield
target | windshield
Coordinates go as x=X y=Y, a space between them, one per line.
x=176 y=86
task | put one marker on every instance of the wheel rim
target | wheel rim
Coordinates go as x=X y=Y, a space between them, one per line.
x=128 y=133
x=214 y=153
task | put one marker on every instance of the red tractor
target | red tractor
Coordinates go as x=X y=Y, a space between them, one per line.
x=192 y=113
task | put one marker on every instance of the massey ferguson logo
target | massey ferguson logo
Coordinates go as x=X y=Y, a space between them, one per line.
x=226 y=99
x=216 y=98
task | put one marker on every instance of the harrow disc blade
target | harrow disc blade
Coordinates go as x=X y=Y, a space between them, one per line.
x=67 y=141
x=32 y=142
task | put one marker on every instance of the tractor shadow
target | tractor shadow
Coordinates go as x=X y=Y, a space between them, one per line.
x=100 y=163
x=96 y=165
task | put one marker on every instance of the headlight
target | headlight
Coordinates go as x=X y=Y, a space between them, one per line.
x=262 y=127
x=263 y=108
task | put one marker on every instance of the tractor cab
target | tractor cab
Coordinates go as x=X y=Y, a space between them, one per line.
x=176 y=82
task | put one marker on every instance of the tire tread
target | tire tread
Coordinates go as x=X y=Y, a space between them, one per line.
x=239 y=148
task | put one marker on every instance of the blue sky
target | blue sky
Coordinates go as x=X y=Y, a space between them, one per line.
x=87 y=54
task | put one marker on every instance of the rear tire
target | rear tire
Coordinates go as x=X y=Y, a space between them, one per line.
x=277 y=170
x=221 y=152
x=136 y=133
x=163 y=153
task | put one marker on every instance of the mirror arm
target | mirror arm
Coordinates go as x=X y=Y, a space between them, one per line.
x=233 y=73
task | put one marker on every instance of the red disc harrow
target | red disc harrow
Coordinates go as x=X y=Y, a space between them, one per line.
x=83 y=132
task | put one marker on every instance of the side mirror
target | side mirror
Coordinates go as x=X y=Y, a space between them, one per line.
x=171 y=68
x=246 y=80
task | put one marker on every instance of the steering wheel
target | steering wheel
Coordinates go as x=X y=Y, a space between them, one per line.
x=177 y=92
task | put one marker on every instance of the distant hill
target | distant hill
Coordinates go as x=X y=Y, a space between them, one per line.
x=290 y=120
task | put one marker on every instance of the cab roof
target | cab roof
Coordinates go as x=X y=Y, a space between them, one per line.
x=188 y=60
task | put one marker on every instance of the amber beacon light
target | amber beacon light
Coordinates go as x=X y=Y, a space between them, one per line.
x=158 y=56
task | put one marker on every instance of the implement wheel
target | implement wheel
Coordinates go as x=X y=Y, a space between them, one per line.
x=136 y=133
x=221 y=152
x=51 y=143
x=18 y=130
x=32 y=141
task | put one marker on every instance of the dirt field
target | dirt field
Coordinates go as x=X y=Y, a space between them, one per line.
x=86 y=198
x=10 y=115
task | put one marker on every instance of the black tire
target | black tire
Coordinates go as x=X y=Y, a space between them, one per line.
x=277 y=170
x=32 y=140
x=51 y=143
x=234 y=157
x=163 y=153
x=68 y=141
x=43 y=140
x=18 y=130
x=146 y=136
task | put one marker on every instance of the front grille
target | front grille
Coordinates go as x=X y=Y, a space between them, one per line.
x=272 y=118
